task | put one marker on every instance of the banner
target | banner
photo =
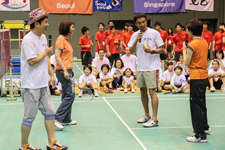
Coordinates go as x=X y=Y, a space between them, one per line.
x=107 y=5
x=159 y=6
x=14 y=5
x=67 y=6
x=200 y=5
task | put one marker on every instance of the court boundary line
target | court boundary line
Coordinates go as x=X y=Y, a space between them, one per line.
x=181 y=127
x=124 y=123
x=100 y=101
x=79 y=69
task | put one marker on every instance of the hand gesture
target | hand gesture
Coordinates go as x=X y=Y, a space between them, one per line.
x=54 y=83
x=66 y=75
x=139 y=36
x=49 y=50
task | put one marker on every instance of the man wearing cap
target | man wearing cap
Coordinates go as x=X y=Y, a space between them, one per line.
x=35 y=68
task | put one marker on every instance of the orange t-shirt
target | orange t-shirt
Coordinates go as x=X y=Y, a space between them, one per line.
x=121 y=33
x=126 y=38
x=85 y=40
x=198 y=64
x=100 y=36
x=164 y=35
x=113 y=48
x=207 y=35
x=108 y=32
x=179 y=38
x=218 y=38
x=66 y=56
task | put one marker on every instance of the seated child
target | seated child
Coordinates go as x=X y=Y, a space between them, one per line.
x=167 y=75
x=117 y=73
x=88 y=79
x=106 y=78
x=178 y=81
x=181 y=64
x=55 y=90
x=215 y=76
x=128 y=81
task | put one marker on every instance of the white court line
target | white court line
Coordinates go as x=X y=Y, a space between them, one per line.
x=116 y=100
x=124 y=123
x=80 y=69
x=182 y=127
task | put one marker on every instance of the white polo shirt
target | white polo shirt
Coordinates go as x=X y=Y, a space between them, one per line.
x=97 y=63
x=147 y=61
x=33 y=77
x=130 y=62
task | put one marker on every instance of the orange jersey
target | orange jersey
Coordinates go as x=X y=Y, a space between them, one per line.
x=113 y=48
x=126 y=38
x=207 y=35
x=178 y=39
x=85 y=40
x=198 y=64
x=100 y=36
x=108 y=32
x=218 y=39
x=66 y=56
x=121 y=33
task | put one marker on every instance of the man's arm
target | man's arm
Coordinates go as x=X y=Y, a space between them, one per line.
x=36 y=60
x=133 y=47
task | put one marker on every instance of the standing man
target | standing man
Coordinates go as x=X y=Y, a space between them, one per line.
x=112 y=47
x=35 y=69
x=85 y=44
x=148 y=44
x=164 y=36
x=207 y=35
x=108 y=31
x=179 y=38
x=126 y=38
x=100 y=38
x=217 y=39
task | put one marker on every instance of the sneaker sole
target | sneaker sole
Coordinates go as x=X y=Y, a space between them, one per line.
x=58 y=129
x=151 y=126
x=201 y=141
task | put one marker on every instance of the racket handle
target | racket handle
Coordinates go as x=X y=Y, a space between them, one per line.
x=63 y=74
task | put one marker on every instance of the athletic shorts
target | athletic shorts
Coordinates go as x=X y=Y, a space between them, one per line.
x=114 y=57
x=147 y=79
x=170 y=48
x=176 y=56
x=163 y=56
x=35 y=99
x=86 y=58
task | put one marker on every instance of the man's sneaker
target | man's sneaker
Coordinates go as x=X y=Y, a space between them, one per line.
x=58 y=126
x=212 y=89
x=206 y=131
x=143 y=119
x=194 y=139
x=96 y=93
x=29 y=147
x=151 y=123
x=73 y=122
x=125 y=90
x=80 y=93
x=133 y=90
x=56 y=146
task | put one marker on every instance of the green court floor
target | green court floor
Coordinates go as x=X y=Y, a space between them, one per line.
x=109 y=122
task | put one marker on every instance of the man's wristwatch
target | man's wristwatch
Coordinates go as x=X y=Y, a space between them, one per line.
x=153 y=52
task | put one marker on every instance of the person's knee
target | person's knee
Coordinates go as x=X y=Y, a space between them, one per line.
x=143 y=90
x=152 y=92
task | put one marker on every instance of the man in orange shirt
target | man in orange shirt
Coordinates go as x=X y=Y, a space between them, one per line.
x=179 y=38
x=112 y=44
x=126 y=38
x=85 y=44
x=207 y=35
x=195 y=56
x=217 y=39
x=108 y=32
x=223 y=40
x=100 y=38
x=164 y=36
